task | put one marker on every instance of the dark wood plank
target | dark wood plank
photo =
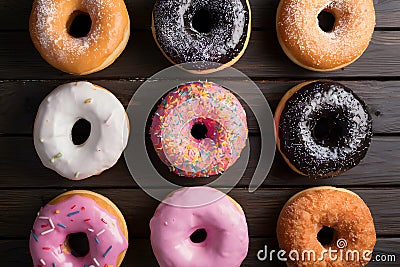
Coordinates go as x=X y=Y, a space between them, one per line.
x=16 y=13
x=19 y=101
x=142 y=58
x=21 y=168
x=15 y=253
x=19 y=207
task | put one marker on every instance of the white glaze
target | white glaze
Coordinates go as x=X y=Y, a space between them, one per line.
x=57 y=115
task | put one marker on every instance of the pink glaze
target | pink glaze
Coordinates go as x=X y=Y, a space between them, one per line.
x=76 y=214
x=227 y=239
x=199 y=103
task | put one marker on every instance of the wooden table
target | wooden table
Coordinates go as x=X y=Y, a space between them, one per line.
x=25 y=79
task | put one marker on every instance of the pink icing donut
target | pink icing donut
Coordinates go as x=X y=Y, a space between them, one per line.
x=79 y=211
x=199 y=129
x=213 y=234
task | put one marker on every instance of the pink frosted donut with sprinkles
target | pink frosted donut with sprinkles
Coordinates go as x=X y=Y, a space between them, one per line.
x=100 y=225
x=199 y=129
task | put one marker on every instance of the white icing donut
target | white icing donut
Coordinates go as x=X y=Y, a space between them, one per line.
x=58 y=113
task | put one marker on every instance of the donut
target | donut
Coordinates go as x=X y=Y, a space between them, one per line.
x=202 y=31
x=93 y=217
x=212 y=234
x=199 y=129
x=309 y=46
x=343 y=215
x=322 y=128
x=55 y=120
x=79 y=37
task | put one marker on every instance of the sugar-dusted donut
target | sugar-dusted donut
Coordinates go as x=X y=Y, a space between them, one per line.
x=50 y=24
x=199 y=129
x=202 y=30
x=345 y=213
x=322 y=128
x=212 y=233
x=310 y=47
x=58 y=113
x=86 y=213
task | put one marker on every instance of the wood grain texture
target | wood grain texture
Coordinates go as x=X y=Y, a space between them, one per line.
x=16 y=13
x=21 y=168
x=19 y=207
x=263 y=58
x=19 y=101
x=15 y=253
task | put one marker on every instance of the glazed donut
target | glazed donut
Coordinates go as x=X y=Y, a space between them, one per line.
x=322 y=128
x=88 y=214
x=202 y=30
x=310 y=47
x=57 y=115
x=199 y=129
x=342 y=212
x=211 y=234
x=87 y=52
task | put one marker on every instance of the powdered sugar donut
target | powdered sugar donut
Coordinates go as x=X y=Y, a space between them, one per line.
x=199 y=129
x=58 y=113
x=212 y=234
x=307 y=45
x=82 y=212
x=80 y=52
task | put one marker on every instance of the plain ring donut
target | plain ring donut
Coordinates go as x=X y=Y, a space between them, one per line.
x=57 y=115
x=202 y=31
x=307 y=45
x=324 y=218
x=107 y=34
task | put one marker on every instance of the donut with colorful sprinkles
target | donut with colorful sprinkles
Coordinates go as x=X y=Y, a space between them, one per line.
x=199 y=129
x=82 y=213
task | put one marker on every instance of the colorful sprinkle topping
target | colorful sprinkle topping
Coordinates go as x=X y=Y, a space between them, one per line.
x=73 y=213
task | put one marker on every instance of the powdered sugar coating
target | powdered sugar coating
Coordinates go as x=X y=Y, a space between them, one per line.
x=182 y=43
x=308 y=45
x=214 y=107
x=298 y=121
x=48 y=27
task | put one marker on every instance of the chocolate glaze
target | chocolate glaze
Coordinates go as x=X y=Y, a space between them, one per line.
x=324 y=157
x=182 y=43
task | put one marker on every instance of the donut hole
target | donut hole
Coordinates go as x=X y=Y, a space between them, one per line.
x=199 y=236
x=203 y=21
x=79 y=24
x=199 y=131
x=80 y=132
x=77 y=244
x=329 y=131
x=326 y=20
x=326 y=235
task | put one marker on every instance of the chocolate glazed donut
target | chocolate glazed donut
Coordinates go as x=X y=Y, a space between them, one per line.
x=202 y=30
x=322 y=129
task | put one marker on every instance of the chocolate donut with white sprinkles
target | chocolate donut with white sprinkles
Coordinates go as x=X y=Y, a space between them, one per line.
x=322 y=128
x=202 y=31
